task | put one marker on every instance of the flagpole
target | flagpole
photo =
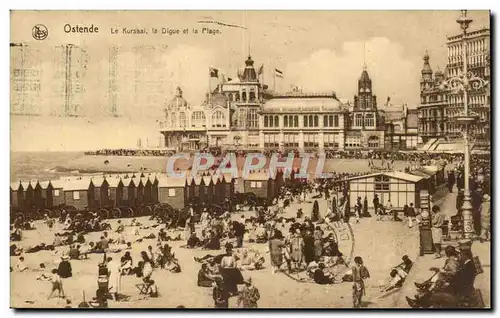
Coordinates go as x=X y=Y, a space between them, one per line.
x=274 y=81
x=262 y=77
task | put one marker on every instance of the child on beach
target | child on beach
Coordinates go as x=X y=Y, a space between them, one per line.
x=56 y=284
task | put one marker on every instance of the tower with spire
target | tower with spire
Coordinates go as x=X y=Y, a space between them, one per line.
x=426 y=79
x=431 y=123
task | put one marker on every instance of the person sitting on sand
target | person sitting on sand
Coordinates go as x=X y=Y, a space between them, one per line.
x=127 y=263
x=43 y=276
x=213 y=242
x=193 y=241
x=117 y=248
x=320 y=277
x=120 y=228
x=74 y=252
x=21 y=265
x=151 y=288
x=173 y=266
x=205 y=278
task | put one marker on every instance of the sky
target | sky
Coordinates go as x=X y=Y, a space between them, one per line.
x=319 y=51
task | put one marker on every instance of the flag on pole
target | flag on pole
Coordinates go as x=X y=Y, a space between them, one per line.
x=278 y=73
x=214 y=72
x=261 y=70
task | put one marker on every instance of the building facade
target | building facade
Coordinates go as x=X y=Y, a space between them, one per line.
x=243 y=114
x=439 y=107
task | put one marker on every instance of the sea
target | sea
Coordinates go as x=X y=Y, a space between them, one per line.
x=45 y=165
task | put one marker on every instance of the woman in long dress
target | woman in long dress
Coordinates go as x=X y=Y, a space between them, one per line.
x=276 y=246
x=296 y=249
x=187 y=229
x=115 y=276
x=318 y=242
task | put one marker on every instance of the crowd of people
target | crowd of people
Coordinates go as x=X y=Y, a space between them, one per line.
x=303 y=244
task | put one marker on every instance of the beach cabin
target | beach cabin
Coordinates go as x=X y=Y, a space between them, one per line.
x=29 y=194
x=38 y=201
x=218 y=188
x=147 y=190
x=171 y=190
x=115 y=190
x=141 y=184
x=154 y=188
x=57 y=193
x=208 y=189
x=16 y=195
x=99 y=193
x=46 y=194
x=129 y=191
x=228 y=185
x=190 y=188
x=198 y=180
x=78 y=193
x=257 y=183
x=399 y=187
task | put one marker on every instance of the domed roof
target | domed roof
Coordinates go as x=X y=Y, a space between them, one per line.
x=427 y=67
x=178 y=101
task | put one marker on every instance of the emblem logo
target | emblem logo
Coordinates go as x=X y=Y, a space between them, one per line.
x=40 y=32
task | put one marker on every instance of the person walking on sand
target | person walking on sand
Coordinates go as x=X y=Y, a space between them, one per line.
x=56 y=285
x=359 y=274
x=485 y=218
x=437 y=229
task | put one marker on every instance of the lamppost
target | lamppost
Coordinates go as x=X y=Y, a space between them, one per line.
x=464 y=82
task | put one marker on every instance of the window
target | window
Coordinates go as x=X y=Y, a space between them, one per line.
x=174 y=120
x=331 y=140
x=76 y=195
x=316 y=121
x=382 y=183
x=336 y=120
x=266 y=123
x=311 y=141
x=271 y=121
x=218 y=119
x=56 y=193
x=258 y=184
x=276 y=121
x=306 y=121
x=253 y=118
x=252 y=94
x=171 y=192
x=373 y=142
x=271 y=140
x=291 y=121
x=198 y=119
x=182 y=118
x=253 y=184
x=370 y=120
x=244 y=96
x=359 y=120
x=291 y=140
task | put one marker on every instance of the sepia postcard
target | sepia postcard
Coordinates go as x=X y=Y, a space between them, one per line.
x=250 y=159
